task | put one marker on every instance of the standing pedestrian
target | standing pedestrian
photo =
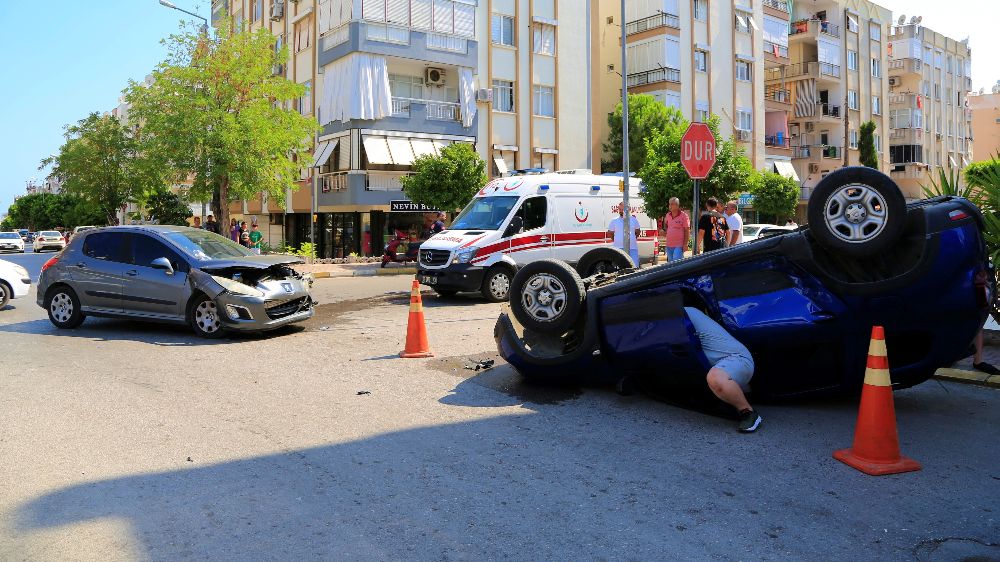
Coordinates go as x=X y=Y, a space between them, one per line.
x=438 y=225
x=712 y=227
x=211 y=225
x=678 y=227
x=234 y=230
x=196 y=222
x=616 y=229
x=245 y=240
x=255 y=238
x=735 y=223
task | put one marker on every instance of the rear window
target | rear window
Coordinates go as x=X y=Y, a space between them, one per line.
x=750 y=230
x=9 y=236
x=50 y=233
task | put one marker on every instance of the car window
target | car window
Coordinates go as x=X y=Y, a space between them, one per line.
x=533 y=212
x=9 y=235
x=104 y=246
x=145 y=249
x=50 y=233
x=750 y=230
x=205 y=245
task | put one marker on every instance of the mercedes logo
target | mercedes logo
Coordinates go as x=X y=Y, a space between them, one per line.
x=428 y=257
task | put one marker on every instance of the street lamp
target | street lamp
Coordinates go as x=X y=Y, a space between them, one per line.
x=172 y=6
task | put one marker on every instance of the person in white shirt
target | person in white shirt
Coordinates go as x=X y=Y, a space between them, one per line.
x=617 y=231
x=735 y=222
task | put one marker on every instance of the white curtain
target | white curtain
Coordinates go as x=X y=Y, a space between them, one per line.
x=543 y=38
x=467 y=95
x=356 y=87
x=333 y=14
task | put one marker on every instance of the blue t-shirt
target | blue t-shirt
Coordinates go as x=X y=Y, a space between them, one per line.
x=716 y=342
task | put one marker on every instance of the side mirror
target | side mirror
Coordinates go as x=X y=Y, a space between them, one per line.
x=514 y=227
x=164 y=264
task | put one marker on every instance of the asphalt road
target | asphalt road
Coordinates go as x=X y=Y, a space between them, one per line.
x=29 y=260
x=128 y=441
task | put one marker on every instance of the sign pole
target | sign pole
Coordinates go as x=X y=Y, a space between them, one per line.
x=695 y=216
x=627 y=226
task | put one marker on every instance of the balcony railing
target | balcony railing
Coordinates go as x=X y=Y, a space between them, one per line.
x=444 y=111
x=376 y=180
x=775 y=49
x=336 y=181
x=801 y=152
x=778 y=95
x=811 y=68
x=829 y=69
x=653 y=76
x=804 y=26
x=832 y=152
x=777 y=5
x=777 y=141
x=662 y=19
x=915 y=65
x=400 y=107
x=829 y=110
x=908 y=100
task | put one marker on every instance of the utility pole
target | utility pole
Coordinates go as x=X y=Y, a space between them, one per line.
x=627 y=218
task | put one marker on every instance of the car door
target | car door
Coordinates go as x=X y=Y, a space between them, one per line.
x=534 y=242
x=153 y=291
x=98 y=271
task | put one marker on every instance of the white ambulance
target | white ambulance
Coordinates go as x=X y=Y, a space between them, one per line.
x=516 y=220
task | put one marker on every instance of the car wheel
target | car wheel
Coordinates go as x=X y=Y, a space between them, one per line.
x=547 y=296
x=5 y=294
x=857 y=211
x=205 y=319
x=496 y=284
x=63 y=307
x=445 y=293
x=604 y=260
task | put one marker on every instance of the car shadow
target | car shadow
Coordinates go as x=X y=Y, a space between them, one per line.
x=168 y=335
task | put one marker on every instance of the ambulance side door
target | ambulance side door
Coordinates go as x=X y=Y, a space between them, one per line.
x=581 y=224
x=534 y=241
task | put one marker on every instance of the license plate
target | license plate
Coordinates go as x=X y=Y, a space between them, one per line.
x=428 y=279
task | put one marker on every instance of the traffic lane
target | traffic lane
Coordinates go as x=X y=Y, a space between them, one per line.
x=329 y=442
x=29 y=260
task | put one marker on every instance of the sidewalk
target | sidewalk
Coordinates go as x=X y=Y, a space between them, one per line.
x=962 y=371
x=328 y=270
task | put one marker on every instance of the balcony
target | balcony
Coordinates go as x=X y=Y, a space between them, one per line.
x=902 y=67
x=775 y=50
x=434 y=110
x=833 y=152
x=441 y=49
x=803 y=70
x=653 y=76
x=829 y=110
x=815 y=152
x=813 y=29
x=655 y=21
x=336 y=181
x=906 y=136
x=779 y=5
x=376 y=180
x=777 y=99
x=778 y=144
x=905 y=101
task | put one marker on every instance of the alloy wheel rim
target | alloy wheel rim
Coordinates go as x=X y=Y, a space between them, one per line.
x=61 y=307
x=206 y=316
x=500 y=285
x=855 y=213
x=544 y=297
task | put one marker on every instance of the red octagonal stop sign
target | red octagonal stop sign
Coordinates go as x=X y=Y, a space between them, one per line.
x=698 y=151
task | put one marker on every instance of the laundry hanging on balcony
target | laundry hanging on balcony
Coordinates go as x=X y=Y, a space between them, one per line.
x=467 y=95
x=805 y=98
x=356 y=87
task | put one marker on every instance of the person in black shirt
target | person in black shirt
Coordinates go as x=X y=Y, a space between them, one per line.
x=713 y=230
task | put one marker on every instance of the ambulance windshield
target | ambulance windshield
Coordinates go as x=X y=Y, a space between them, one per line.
x=484 y=213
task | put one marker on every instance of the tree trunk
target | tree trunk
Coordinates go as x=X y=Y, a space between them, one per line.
x=220 y=200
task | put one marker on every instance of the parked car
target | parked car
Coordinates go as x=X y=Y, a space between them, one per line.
x=14 y=282
x=48 y=240
x=518 y=220
x=174 y=274
x=751 y=231
x=774 y=231
x=23 y=233
x=31 y=237
x=11 y=242
x=77 y=230
x=803 y=302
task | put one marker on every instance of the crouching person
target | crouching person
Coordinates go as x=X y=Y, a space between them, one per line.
x=732 y=367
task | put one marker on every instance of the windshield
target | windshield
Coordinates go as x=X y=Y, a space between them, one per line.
x=750 y=230
x=485 y=213
x=204 y=245
x=9 y=235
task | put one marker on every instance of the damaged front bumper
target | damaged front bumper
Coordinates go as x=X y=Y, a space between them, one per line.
x=273 y=310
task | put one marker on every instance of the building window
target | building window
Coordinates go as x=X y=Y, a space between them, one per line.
x=947 y=95
x=544 y=102
x=852 y=24
x=742 y=26
x=852 y=60
x=257 y=11
x=701 y=61
x=700 y=10
x=744 y=71
x=402 y=86
x=503 y=95
x=878 y=143
x=701 y=114
x=744 y=120
x=876 y=68
x=875 y=30
x=854 y=138
x=876 y=105
x=305 y=102
x=502 y=30
x=937 y=92
x=543 y=38
x=947 y=65
x=852 y=99
x=303 y=39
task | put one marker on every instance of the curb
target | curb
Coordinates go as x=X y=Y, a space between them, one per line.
x=365 y=273
x=968 y=377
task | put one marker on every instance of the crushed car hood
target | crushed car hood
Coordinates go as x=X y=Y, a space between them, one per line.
x=251 y=262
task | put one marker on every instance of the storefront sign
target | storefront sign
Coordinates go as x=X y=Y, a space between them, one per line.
x=402 y=206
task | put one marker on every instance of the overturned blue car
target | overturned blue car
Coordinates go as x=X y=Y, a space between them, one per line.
x=802 y=302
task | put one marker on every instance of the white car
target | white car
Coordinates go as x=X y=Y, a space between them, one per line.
x=11 y=242
x=14 y=282
x=752 y=231
x=48 y=240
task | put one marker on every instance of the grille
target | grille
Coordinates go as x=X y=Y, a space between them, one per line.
x=287 y=308
x=434 y=258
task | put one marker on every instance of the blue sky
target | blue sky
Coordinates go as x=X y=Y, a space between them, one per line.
x=83 y=52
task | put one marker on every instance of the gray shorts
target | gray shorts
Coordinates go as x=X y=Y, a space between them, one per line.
x=739 y=368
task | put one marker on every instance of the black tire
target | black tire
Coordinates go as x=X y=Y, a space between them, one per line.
x=5 y=294
x=445 y=293
x=547 y=296
x=63 y=307
x=496 y=279
x=204 y=317
x=603 y=260
x=857 y=211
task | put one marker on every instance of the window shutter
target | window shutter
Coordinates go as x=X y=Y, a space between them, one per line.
x=420 y=14
x=399 y=12
x=373 y=10
x=465 y=20
x=443 y=16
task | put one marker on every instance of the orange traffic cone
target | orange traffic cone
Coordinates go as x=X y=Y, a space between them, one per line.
x=876 y=443
x=416 y=332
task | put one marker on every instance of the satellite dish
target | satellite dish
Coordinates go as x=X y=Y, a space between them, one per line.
x=901 y=20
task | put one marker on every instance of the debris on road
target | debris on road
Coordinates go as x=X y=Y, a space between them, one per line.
x=361 y=392
x=483 y=365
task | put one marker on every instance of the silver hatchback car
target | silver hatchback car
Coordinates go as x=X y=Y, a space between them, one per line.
x=172 y=274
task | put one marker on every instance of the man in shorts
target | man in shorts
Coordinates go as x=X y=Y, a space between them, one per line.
x=732 y=367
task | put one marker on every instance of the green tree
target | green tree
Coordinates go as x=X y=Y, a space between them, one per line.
x=866 y=145
x=774 y=195
x=44 y=211
x=166 y=207
x=448 y=181
x=664 y=176
x=101 y=162
x=216 y=113
x=645 y=116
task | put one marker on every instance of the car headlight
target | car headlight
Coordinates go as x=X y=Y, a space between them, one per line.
x=465 y=255
x=237 y=287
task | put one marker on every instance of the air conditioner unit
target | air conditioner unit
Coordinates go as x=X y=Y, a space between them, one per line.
x=810 y=126
x=813 y=168
x=893 y=81
x=484 y=95
x=743 y=135
x=277 y=10
x=434 y=76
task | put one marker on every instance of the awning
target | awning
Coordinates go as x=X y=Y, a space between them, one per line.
x=422 y=147
x=501 y=165
x=786 y=169
x=440 y=144
x=400 y=150
x=377 y=150
x=323 y=152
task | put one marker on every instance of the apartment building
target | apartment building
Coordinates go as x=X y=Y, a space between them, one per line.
x=985 y=124
x=930 y=122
